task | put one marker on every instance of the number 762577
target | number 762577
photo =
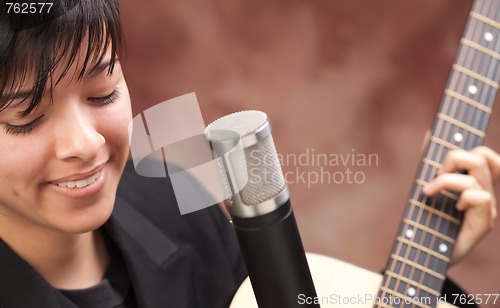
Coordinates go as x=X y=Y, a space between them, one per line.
x=28 y=8
x=473 y=299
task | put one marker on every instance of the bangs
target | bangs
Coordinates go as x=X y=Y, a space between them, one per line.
x=55 y=41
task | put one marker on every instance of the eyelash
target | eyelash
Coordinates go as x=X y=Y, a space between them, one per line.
x=111 y=98
x=22 y=129
x=27 y=128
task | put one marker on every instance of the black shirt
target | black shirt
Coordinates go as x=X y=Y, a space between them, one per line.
x=114 y=291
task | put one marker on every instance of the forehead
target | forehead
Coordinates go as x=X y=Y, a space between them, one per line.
x=71 y=68
x=71 y=45
x=67 y=66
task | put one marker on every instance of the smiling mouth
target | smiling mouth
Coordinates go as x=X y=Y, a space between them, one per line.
x=81 y=183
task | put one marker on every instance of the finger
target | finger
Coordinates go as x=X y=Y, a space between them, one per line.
x=474 y=162
x=492 y=159
x=451 y=181
x=478 y=220
x=477 y=199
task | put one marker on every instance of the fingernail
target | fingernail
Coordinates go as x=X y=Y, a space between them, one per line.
x=427 y=189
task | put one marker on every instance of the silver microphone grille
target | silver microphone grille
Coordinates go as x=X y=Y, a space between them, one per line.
x=263 y=168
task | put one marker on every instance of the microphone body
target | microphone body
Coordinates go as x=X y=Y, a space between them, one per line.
x=259 y=204
x=275 y=258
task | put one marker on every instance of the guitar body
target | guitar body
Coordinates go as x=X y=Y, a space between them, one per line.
x=338 y=284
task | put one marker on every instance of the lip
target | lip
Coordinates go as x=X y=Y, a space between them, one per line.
x=79 y=176
x=83 y=192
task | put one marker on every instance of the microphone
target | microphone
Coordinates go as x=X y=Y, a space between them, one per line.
x=258 y=201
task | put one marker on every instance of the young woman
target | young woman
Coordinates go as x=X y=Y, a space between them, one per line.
x=78 y=227
x=64 y=117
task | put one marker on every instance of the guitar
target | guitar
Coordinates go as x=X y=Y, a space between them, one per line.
x=421 y=253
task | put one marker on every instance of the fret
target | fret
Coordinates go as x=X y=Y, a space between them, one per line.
x=421 y=258
x=446 y=205
x=434 y=211
x=424 y=249
x=411 y=255
x=427 y=173
x=382 y=305
x=428 y=230
x=467 y=100
x=438 y=214
x=412 y=282
x=443 y=192
x=402 y=286
x=480 y=48
x=432 y=229
x=462 y=125
x=435 y=152
x=488 y=9
x=477 y=29
x=431 y=163
x=475 y=75
x=477 y=53
x=418 y=266
x=445 y=202
x=482 y=68
x=418 y=269
x=404 y=297
x=485 y=20
x=457 y=136
x=464 y=109
x=484 y=65
x=453 y=135
x=429 y=169
x=445 y=143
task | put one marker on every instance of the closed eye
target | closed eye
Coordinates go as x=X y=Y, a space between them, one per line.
x=22 y=129
x=108 y=99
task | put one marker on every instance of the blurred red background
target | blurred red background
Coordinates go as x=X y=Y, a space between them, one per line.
x=333 y=76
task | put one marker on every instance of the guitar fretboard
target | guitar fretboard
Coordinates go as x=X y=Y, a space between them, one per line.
x=421 y=254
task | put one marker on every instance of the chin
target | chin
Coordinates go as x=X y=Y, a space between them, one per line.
x=88 y=220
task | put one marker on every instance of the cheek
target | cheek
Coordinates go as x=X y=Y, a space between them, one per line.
x=22 y=159
x=114 y=124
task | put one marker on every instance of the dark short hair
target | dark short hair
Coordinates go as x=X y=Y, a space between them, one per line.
x=38 y=43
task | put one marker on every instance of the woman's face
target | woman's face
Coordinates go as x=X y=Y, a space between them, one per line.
x=60 y=165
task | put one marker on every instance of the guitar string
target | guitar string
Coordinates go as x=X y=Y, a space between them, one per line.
x=447 y=125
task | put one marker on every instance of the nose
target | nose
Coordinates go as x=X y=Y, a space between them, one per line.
x=76 y=135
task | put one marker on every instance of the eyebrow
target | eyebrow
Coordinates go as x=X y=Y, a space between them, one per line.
x=7 y=97
x=18 y=95
x=99 y=69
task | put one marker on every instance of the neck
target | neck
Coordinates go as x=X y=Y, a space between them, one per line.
x=66 y=261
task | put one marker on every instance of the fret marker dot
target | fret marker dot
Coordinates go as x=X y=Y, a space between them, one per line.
x=488 y=36
x=409 y=233
x=472 y=89
x=458 y=137
x=411 y=291
x=443 y=248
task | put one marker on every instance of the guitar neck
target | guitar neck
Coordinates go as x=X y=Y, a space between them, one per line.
x=421 y=253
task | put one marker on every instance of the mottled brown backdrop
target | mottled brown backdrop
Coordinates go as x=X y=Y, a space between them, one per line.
x=335 y=77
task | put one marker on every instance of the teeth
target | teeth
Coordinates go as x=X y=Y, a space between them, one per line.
x=80 y=184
